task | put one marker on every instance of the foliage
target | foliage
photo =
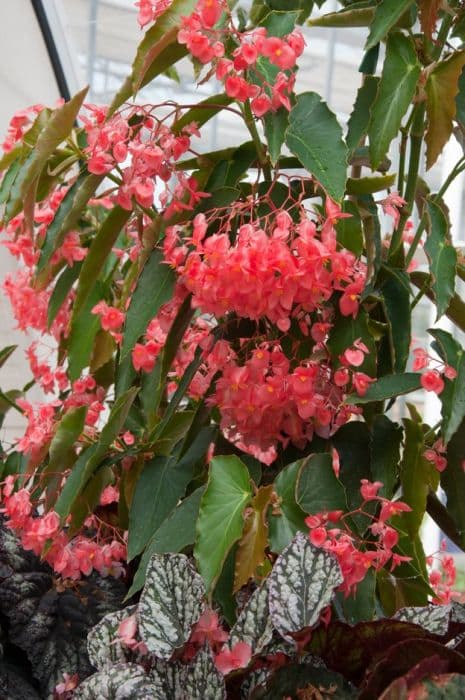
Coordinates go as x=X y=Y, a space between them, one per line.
x=232 y=335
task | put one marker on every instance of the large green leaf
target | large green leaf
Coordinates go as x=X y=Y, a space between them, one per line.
x=275 y=125
x=386 y=438
x=456 y=309
x=173 y=535
x=359 y=119
x=220 y=520
x=154 y=288
x=417 y=476
x=61 y=290
x=61 y=452
x=315 y=137
x=453 y=481
x=388 y=387
x=90 y=459
x=84 y=328
x=442 y=258
x=290 y=518
x=442 y=88
x=100 y=249
x=397 y=87
x=161 y=485
x=396 y=302
x=386 y=15
x=318 y=489
x=453 y=395
x=352 y=443
x=349 y=231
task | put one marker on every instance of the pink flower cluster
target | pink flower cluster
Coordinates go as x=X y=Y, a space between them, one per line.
x=432 y=379
x=265 y=401
x=330 y=531
x=280 y=271
x=146 y=154
x=442 y=577
x=71 y=559
x=242 y=73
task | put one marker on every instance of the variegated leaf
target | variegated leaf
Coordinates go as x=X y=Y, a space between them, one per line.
x=203 y=680
x=200 y=680
x=120 y=682
x=457 y=613
x=253 y=681
x=301 y=585
x=170 y=604
x=253 y=625
x=433 y=618
x=103 y=645
x=168 y=679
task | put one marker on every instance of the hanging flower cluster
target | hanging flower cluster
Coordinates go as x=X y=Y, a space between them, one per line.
x=247 y=67
x=145 y=151
x=330 y=531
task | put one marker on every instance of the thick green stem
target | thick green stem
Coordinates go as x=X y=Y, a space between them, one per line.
x=250 y=123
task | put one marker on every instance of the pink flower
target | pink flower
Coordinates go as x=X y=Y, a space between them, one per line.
x=110 y=317
x=369 y=489
x=432 y=381
x=231 y=659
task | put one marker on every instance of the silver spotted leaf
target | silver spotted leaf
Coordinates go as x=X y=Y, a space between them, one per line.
x=254 y=625
x=203 y=680
x=14 y=684
x=457 y=613
x=432 y=618
x=50 y=624
x=255 y=679
x=301 y=585
x=171 y=603
x=198 y=680
x=168 y=679
x=119 y=682
x=103 y=645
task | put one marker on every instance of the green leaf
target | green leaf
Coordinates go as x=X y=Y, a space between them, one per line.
x=8 y=179
x=456 y=309
x=220 y=520
x=386 y=15
x=280 y=23
x=397 y=86
x=417 y=476
x=98 y=253
x=90 y=459
x=396 y=303
x=388 y=387
x=459 y=100
x=345 y=331
x=358 y=14
x=318 y=489
x=352 y=443
x=442 y=258
x=453 y=395
x=56 y=129
x=253 y=543
x=173 y=535
x=291 y=518
x=386 y=438
x=67 y=215
x=160 y=486
x=360 y=606
x=275 y=125
x=349 y=231
x=453 y=481
x=369 y=185
x=154 y=288
x=6 y=352
x=357 y=125
x=203 y=112
x=84 y=328
x=61 y=290
x=61 y=451
x=442 y=88
x=315 y=137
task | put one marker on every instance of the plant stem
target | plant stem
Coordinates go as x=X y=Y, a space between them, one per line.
x=250 y=124
x=416 y=140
